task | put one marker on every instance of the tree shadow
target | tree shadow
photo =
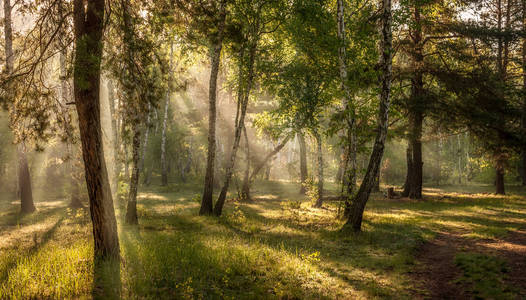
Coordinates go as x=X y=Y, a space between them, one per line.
x=106 y=278
x=44 y=239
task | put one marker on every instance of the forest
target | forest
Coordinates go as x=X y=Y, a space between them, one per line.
x=263 y=149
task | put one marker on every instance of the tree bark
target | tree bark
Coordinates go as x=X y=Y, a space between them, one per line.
x=319 y=200
x=348 y=106
x=459 y=162
x=215 y=57
x=164 y=166
x=409 y=173
x=24 y=182
x=245 y=188
x=303 y=162
x=376 y=187
x=354 y=221
x=145 y=142
x=115 y=134
x=88 y=24
x=131 y=210
x=499 y=176
x=75 y=201
x=416 y=116
x=243 y=97
x=523 y=120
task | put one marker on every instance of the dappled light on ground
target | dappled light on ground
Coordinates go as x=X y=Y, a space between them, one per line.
x=276 y=245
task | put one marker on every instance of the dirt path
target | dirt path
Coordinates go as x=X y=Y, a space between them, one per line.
x=436 y=271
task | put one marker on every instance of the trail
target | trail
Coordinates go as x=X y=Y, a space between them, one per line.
x=436 y=271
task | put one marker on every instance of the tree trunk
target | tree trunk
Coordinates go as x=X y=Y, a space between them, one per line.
x=115 y=134
x=354 y=221
x=131 y=210
x=459 y=160
x=376 y=187
x=145 y=142
x=245 y=188
x=215 y=56
x=24 y=182
x=303 y=163
x=438 y=160
x=24 y=177
x=243 y=97
x=164 y=166
x=523 y=123
x=88 y=23
x=409 y=173
x=348 y=106
x=319 y=200
x=416 y=116
x=499 y=178
x=75 y=202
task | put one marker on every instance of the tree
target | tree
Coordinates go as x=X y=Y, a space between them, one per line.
x=88 y=27
x=24 y=176
x=252 y=20
x=354 y=221
x=303 y=162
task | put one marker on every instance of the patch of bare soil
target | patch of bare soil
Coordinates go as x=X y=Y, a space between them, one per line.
x=435 y=273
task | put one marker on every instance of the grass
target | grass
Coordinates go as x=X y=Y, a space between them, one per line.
x=485 y=275
x=276 y=247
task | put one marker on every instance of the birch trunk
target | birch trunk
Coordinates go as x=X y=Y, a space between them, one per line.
x=354 y=221
x=115 y=134
x=145 y=142
x=319 y=154
x=303 y=162
x=164 y=166
x=243 y=97
x=207 y=206
x=348 y=106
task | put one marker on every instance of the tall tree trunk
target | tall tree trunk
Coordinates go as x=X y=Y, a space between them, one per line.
x=145 y=142
x=74 y=181
x=164 y=166
x=416 y=116
x=243 y=97
x=303 y=162
x=376 y=187
x=319 y=200
x=24 y=183
x=115 y=134
x=354 y=220
x=88 y=24
x=499 y=176
x=131 y=210
x=409 y=173
x=438 y=160
x=245 y=188
x=207 y=205
x=523 y=123
x=459 y=160
x=348 y=106
x=24 y=177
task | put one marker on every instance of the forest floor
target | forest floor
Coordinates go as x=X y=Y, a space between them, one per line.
x=459 y=242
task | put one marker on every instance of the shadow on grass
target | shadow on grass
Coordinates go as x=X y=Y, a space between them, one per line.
x=44 y=239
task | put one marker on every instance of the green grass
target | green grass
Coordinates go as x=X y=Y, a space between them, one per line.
x=485 y=275
x=275 y=247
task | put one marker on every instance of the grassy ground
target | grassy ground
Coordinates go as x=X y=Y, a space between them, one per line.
x=276 y=247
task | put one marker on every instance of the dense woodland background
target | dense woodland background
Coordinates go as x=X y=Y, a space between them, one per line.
x=135 y=117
